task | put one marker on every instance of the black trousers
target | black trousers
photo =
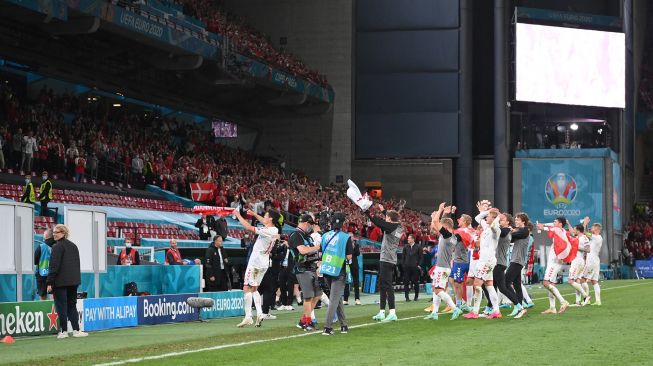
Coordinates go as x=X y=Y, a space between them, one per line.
x=386 y=270
x=355 y=283
x=411 y=276
x=220 y=283
x=268 y=289
x=487 y=296
x=65 y=301
x=499 y=275
x=44 y=207
x=513 y=277
x=286 y=285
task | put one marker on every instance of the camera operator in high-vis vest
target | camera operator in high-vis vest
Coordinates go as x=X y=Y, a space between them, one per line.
x=337 y=250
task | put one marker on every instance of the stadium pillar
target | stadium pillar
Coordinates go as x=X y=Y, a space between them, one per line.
x=501 y=125
x=464 y=187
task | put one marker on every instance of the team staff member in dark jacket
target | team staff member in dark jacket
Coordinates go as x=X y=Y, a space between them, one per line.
x=64 y=275
x=42 y=262
x=410 y=260
x=269 y=284
x=215 y=266
x=392 y=232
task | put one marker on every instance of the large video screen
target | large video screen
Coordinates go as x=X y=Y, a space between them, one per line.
x=570 y=66
x=223 y=129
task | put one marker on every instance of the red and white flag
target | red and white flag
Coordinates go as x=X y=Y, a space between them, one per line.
x=202 y=192
x=213 y=210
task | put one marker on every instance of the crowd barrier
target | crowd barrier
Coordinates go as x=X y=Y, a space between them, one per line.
x=153 y=279
x=644 y=268
x=39 y=317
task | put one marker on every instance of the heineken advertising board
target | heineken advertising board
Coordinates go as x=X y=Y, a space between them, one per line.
x=28 y=318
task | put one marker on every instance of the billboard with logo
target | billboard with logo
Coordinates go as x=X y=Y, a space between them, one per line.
x=110 y=312
x=165 y=309
x=227 y=304
x=28 y=318
x=572 y=188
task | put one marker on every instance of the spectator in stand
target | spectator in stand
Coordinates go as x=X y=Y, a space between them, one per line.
x=205 y=224
x=17 y=148
x=93 y=166
x=136 y=168
x=173 y=256
x=80 y=168
x=215 y=266
x=71 y=155
x=29 y=147
x=128 y=256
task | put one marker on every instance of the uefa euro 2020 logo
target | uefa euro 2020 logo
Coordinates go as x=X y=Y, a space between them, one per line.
x=560 y=190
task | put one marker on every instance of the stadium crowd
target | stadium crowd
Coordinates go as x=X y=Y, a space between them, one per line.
x=248 y=40
x=637 y=239
x=80 y=137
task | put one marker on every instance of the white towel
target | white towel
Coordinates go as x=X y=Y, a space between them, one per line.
x=362 y=201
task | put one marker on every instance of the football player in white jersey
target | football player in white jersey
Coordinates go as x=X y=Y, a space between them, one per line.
x=593 y=262
x=577 y=266
x=487 y=259
x=259 y=260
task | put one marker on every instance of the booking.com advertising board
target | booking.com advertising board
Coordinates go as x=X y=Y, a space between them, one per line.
x=572 y=188
x=165 y=309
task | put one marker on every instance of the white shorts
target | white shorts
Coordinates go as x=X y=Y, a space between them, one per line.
x=484 y=269
x=551 y=273
x=472 y=268
x=592 y=271
x=576 y=269
x=253 y=276
x=440 y=277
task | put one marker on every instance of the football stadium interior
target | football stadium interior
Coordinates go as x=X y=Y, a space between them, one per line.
x=190 y=162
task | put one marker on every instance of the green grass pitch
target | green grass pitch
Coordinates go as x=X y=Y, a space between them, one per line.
x=617 y=333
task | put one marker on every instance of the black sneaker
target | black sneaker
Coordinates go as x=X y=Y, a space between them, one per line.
x=327 y=331
x=300 y=325
x=344 y=329
x=415 y=299
x=407 y=300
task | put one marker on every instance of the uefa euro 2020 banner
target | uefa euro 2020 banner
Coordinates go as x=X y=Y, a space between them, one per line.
x=572 y=188
x=226 y=304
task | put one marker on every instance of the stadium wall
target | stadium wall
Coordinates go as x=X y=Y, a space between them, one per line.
x=319 y=32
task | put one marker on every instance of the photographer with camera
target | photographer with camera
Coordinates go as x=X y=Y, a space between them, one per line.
x=306 y=254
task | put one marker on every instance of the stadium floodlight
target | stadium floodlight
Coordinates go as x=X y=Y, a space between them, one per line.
x=573 y=127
